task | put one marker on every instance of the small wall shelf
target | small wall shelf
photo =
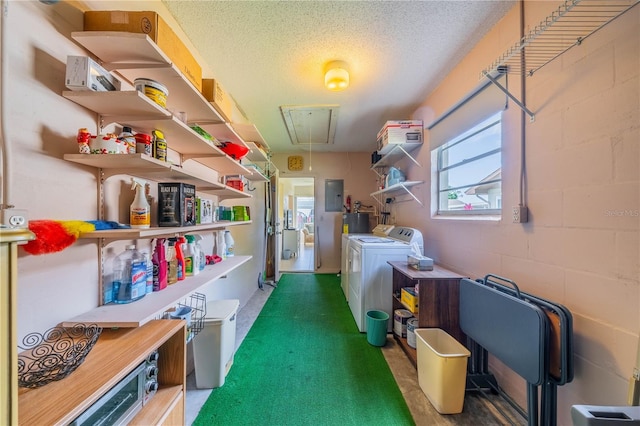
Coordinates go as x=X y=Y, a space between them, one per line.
x=398 y=188
x=397 y=153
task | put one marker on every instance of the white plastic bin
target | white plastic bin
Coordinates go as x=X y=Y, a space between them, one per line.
x=442 y=369
x=215 y=346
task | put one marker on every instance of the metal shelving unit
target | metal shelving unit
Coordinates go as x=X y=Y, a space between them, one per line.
x=568 y=26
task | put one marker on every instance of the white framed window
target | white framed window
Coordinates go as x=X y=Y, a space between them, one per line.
x=469 y=170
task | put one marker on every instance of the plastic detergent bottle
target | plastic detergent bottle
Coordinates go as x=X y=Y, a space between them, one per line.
x=140 y=211
x=221 y=249
x=228 y=241
x=172 y=263
x=159 y=266
x=149 y=276
x=180 y=258
x=129 y=276
x=191 y=257
x=129 y=141
x=202 y=262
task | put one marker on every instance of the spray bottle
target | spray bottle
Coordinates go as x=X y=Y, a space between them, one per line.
x=191 y=256
x=172 y=262
x=180 y=257
x=159 y=266
x=140 y=211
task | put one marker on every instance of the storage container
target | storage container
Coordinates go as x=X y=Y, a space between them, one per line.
x=215 y=346
x=442 y=369
x=409 y=299
x=176 y=204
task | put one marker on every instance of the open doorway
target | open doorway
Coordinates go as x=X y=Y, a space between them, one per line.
x=297 y=206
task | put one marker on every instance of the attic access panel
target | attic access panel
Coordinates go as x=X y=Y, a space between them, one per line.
x=310 y=124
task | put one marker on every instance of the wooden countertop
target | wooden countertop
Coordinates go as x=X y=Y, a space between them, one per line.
x=438 y=272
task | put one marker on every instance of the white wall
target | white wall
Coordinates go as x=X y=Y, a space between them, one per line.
x=580 y=247
x=40 y=128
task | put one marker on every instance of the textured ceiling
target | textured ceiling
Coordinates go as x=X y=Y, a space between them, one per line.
x=267 y=54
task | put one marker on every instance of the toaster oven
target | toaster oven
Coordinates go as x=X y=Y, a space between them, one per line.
x=123 y=401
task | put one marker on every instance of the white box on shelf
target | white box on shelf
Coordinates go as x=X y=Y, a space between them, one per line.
x=399 y=132
x=83 y=73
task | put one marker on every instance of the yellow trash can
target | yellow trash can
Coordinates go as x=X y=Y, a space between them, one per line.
x=442 y=369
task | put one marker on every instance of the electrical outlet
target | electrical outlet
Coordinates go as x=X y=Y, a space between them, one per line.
x=14 y=218
x=520 y=214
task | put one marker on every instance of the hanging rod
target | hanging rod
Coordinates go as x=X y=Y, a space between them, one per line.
x=567 y=26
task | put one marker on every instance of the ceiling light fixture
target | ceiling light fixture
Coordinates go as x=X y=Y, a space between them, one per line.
x=336 y=76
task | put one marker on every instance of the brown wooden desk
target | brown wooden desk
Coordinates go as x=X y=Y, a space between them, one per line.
x=438 y=303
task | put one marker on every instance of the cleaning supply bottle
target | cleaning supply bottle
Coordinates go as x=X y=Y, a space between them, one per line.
x=191 y=258
x=140 y=211
x=221 y=249
x=202 y=262
x=172 y=262
x=228 y=241
x=129 y=276
x=180 y=258
x=149 y=277
x=129 y=141
x=159 y=266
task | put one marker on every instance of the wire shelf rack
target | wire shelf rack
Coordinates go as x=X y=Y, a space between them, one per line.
x=567 y=26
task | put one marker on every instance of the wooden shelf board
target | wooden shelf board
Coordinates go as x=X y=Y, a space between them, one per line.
x=223 y=132
x=256 y=154
x=250 y=133
x=151 y=306
x=136 y=55
x=153 y=411
x=223 y=165
x=128 y=103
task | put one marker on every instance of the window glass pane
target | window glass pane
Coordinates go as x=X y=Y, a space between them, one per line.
x=475 y=145
x=470 y=170
x=472 y=173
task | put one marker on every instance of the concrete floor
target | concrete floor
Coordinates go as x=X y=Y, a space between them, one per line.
x=478 y=409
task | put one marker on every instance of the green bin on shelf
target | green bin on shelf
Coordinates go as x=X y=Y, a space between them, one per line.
x=377 y=327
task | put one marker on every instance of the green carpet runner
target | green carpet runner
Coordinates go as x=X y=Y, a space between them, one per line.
x=305 y=363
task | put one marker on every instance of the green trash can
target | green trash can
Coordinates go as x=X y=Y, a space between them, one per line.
x=377 y=327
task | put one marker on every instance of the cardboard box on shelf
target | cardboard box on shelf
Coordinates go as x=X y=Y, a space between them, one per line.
x=215 y=94
x=409 y=299
x=150 y=23
x=204 y=210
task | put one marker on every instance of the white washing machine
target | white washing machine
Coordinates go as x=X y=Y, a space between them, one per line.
x=369 y=274
x=379 y=230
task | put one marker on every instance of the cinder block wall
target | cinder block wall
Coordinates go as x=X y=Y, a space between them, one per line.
x=581 y=245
